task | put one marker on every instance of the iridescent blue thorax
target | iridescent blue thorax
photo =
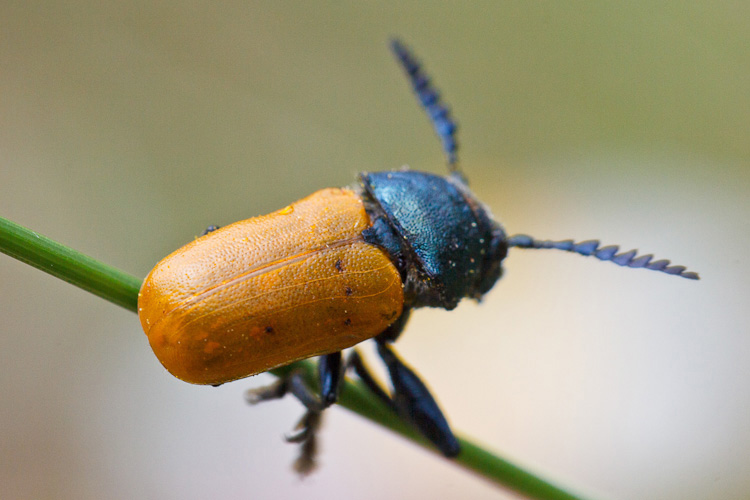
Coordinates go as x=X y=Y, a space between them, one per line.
x=441 y=238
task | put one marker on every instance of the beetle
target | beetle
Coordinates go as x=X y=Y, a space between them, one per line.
x=335 y=269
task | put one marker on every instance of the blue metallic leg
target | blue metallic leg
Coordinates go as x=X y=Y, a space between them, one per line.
x=330 y=377
x=414 y=403
x=410 y=398
x=356 y=363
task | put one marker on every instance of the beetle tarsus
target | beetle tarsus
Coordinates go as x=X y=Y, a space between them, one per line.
x=306 y=462
x=305 y=428
x=277 y=390
x=330 y=373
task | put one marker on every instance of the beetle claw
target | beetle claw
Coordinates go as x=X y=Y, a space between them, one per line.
x=298 y=436
x=301 y=431
x=305 y=428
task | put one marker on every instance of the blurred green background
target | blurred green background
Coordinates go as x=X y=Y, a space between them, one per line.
x=126 y=128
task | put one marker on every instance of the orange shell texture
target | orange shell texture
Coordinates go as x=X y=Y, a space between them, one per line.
x=270 y=290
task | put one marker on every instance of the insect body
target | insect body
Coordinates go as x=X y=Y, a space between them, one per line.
x=332 y=270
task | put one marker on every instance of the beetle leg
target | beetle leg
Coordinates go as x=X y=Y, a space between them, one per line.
x=410 y=399
x=306 y=436
x=330 y=375
x=330 y=372
x=414 y=403
x=277 y=390
x=356 y=363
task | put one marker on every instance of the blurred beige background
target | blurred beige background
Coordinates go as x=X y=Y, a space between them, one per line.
x=126 y=128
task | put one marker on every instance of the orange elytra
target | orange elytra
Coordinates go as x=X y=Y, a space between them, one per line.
x=270 y=290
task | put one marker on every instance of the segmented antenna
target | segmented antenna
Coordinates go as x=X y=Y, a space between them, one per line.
x=439 y=114
x=590 y=248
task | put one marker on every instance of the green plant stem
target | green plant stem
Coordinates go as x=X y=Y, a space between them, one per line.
x=122 y=289
x=68 y=265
